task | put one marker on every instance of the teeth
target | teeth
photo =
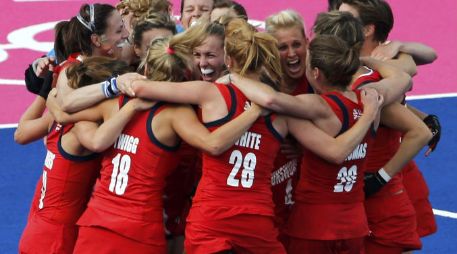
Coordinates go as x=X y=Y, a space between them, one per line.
x=293 y=62
x=193 y=23
x=206 y=71
x=122 y=43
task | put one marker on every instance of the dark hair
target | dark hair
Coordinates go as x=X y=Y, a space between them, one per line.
x=238 y=8
x=377 y=13
x=72 y=36
x=155 y=20
x=334 y=58
x=341 y=24
x=93 y=70
x=333 y=5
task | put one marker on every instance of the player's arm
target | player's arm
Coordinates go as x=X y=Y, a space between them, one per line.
x=191 y=92
x=99 y=138
x=395 y=83
x=336 y=149
x=192 y=131
x=416 y=135
x=83 y=98
x=405 y=63
x=33 y=124
x=421 y=53
x=308 y=106
x=93 y=114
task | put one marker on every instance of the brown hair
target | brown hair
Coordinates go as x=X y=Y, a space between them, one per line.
x=72 y=36
x=341 y=24
x=235 y=6
x=334 y=58
x=170 y=59
x=93 y=70
x=156 y=20
x=376 y=12
x=253 y=51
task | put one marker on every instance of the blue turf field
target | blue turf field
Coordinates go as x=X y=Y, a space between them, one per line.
x=21 y=167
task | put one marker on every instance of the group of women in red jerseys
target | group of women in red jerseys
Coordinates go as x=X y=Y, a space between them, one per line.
x=225 y=139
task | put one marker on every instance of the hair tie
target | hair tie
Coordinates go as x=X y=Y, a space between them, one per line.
x=170 y=51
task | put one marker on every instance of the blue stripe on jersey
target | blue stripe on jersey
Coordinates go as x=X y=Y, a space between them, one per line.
x=230 y=114
x=272 y=129
x=345 y=123
x=151 y=135
x=72 y=157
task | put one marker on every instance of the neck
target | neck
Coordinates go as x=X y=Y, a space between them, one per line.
x=290 y=84
x=368 y=46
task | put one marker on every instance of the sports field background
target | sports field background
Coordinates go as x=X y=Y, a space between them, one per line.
x=26 y=33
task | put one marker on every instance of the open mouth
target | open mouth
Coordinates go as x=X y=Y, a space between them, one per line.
x=294 y=66
x=207 y=74
x=122 y=43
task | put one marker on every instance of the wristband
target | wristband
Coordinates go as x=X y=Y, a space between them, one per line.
x=386 y=177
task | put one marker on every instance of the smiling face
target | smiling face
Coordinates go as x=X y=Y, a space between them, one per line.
x=292 y=50
x=147 y=37
x=209 y=58
x=114 y=37
x=194 y=9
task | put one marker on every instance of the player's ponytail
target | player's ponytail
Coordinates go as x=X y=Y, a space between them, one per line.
x=253 y=51
x=334 y=58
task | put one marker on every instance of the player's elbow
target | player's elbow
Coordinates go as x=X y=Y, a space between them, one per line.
x=20 y=137
x=214 y=150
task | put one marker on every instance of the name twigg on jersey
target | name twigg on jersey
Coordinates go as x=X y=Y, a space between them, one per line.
x=359 y=152
x=249 y=140
x=127 y=143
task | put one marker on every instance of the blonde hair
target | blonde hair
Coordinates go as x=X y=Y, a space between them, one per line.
x=253 y=51
x=170 y=59
x=142 y=8
x=284 y=19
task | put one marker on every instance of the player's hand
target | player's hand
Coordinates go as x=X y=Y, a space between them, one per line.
x=44 y=65
x=372 y=101
x=386 y=51
x=291 y=149
x=433 y=123
x=125 y=82
x=373 y=183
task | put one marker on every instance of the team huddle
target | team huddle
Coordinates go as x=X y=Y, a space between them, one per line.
x=207 y=135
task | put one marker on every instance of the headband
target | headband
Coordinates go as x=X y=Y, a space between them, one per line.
x=91 y=24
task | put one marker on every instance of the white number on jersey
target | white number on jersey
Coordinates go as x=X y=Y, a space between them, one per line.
x=247 y=174
x=43 y=189
x=288 y=200
x=346 y=178
x=119 y=177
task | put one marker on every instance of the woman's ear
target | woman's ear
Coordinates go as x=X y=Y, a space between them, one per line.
x=368 y=30
x=96 y=40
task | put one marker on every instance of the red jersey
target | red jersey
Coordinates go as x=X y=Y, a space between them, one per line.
x=240 y=178
x=66 y=183
x=73 y=58
x=329 y=197
x=127 y=198
x=385 y=145
x=285 y=176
